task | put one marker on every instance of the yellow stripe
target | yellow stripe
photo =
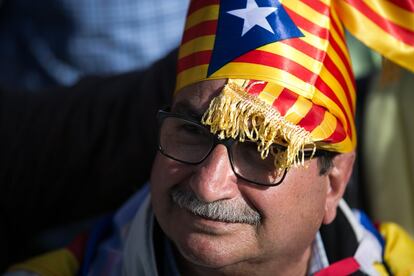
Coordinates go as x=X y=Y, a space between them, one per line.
x=308 y=13
x=298 y=110
x=191 y=75
x=204 y=14
x=195 y=45
x=241 y=70
x=368 y=32
x=393 y=13
x=270 y=93
x=325 y=129
x=315 y=41
x=274 y=89
x=297 y=56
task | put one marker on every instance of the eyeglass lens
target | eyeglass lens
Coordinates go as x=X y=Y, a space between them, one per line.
x=184 y=140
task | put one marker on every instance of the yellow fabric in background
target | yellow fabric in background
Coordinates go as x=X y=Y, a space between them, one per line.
x=56 y=263
x=388 y=149
x=399 y=249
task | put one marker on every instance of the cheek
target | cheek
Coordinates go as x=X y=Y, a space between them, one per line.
x=303 y=191
x=293 y=211
x=166 y=173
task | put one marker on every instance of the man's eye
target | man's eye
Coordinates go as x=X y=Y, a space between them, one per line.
x=191 y=129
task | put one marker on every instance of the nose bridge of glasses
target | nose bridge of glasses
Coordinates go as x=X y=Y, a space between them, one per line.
x=214 y=178
x=219 y=160
x=227 y=144
x=220 y=151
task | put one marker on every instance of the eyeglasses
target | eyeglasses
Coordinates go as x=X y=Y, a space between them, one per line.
x=187 y=141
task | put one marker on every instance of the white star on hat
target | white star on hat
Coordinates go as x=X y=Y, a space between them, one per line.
x=254 y=15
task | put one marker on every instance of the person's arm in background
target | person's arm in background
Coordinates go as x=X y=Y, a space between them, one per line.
x=71 y=153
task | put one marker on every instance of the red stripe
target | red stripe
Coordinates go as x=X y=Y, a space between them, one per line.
x=199 y=4
x=404 y=4
x=317 y=6
x=255 y=87
x=201 y=29
x=307 y=25
x=393 y=29
x=343 y=267
x=285 y=101
x=313 y=118
x=198 y=58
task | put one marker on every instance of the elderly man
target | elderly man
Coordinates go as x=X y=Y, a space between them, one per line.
x=254 y=156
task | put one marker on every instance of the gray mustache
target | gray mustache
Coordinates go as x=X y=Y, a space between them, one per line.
x=231 y=211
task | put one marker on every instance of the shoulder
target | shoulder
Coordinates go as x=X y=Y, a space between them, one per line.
x=385 y=247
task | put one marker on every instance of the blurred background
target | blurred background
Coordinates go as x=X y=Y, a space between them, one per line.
x=80 y=83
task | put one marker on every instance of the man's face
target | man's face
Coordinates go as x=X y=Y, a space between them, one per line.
x=291 y=213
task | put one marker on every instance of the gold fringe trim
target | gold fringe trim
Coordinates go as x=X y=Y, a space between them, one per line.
x=237 y=114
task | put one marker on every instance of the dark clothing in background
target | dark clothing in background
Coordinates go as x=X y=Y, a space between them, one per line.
x=57 y=42
x=71 y=153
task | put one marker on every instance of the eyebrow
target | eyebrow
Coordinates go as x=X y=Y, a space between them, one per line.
x=187 y=109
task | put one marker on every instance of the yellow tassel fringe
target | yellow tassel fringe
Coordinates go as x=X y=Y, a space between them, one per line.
x=237 y=114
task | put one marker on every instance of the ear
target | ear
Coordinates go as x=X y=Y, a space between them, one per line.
x=338 y=178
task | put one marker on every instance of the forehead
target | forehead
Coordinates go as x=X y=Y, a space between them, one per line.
x=196 y=98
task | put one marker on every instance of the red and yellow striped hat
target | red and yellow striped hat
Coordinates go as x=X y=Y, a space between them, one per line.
x=287 y=64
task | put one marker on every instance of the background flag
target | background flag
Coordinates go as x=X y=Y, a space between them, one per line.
x=387 y=26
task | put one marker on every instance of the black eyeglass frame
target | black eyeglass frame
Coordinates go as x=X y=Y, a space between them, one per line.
x=227 y=142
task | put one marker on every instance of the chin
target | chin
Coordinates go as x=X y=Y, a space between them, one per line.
x=209 y=251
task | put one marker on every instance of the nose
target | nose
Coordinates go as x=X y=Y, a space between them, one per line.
x=214 y=179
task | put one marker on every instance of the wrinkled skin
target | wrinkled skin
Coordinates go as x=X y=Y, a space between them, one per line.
x=291 y=212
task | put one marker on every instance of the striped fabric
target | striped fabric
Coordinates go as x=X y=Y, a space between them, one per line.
x=308 y=79
x=295 y=52
x=392 y=21
x=318 y=120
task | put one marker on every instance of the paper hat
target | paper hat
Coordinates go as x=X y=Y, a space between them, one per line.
x=289 y=70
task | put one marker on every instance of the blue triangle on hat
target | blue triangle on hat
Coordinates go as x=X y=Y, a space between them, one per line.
x=241 y=30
